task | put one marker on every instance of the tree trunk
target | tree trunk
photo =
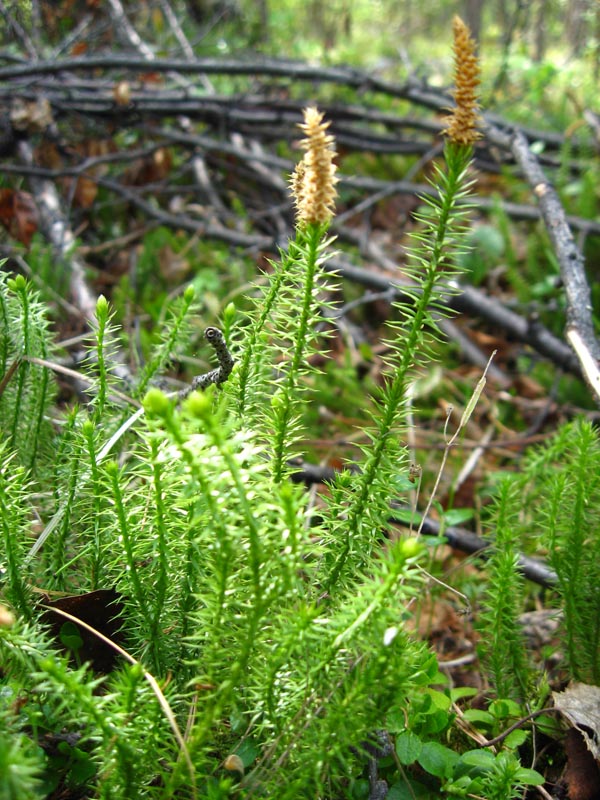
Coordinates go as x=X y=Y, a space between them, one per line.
x=576 y=29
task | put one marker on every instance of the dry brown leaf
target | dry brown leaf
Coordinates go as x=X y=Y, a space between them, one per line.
x=86 y=192
x=152 y=169
x=580 y=704
x=18 y=214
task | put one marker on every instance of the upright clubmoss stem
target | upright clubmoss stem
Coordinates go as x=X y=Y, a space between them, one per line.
x=162 y=578
x=97 y=555
x=113 y=472
x=430 y=253
x=309 y=239
x=102 y=319
x=246 y=362
x=18 y=591
x=313 y=189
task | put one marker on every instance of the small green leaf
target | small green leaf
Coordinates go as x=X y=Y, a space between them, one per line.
x=548 y=725
x=70 y=636
x=516 y=739
x=408 y=790
x=461 y=786
x=438 y=760
x=438 y=722
x=359 y=789
x=529 y=777
x=483 y=717
x=439 y=699
x=502 y=709
x=408 y=747
x=82 y=770
x=478 y=758
x=431 y=668
x=462 y=691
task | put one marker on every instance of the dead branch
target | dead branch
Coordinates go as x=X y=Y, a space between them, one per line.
x=414 y=90
x=580 y=326
x=461 y=539
x=474 y=302
x=58 y=232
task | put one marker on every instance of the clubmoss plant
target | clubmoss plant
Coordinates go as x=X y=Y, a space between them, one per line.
x=367 y=503
x=569 y=532
x=502 y=644
x=26 y=391
x=276 y=635
x=283 y=332
x=14 y=525
x=551 y=507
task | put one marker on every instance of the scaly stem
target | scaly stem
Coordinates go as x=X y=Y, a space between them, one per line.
x=458 y=158
x=308 y=241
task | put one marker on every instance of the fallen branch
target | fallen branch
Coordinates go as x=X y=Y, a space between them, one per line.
x=580 y=325
x=56 y=229
x=461 y=539
x=469 y=300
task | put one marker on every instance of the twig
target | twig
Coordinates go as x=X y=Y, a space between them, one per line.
x=580 y=325
x=519 y=724
x=171 y=18
x=215 y=66
x=6 y=378
x=585 y=352
x=414 y=90
x=73 y=35
x=77 y=376
x=126 y=31
x=58 y=232
x=461 y=539
x=19 y=31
